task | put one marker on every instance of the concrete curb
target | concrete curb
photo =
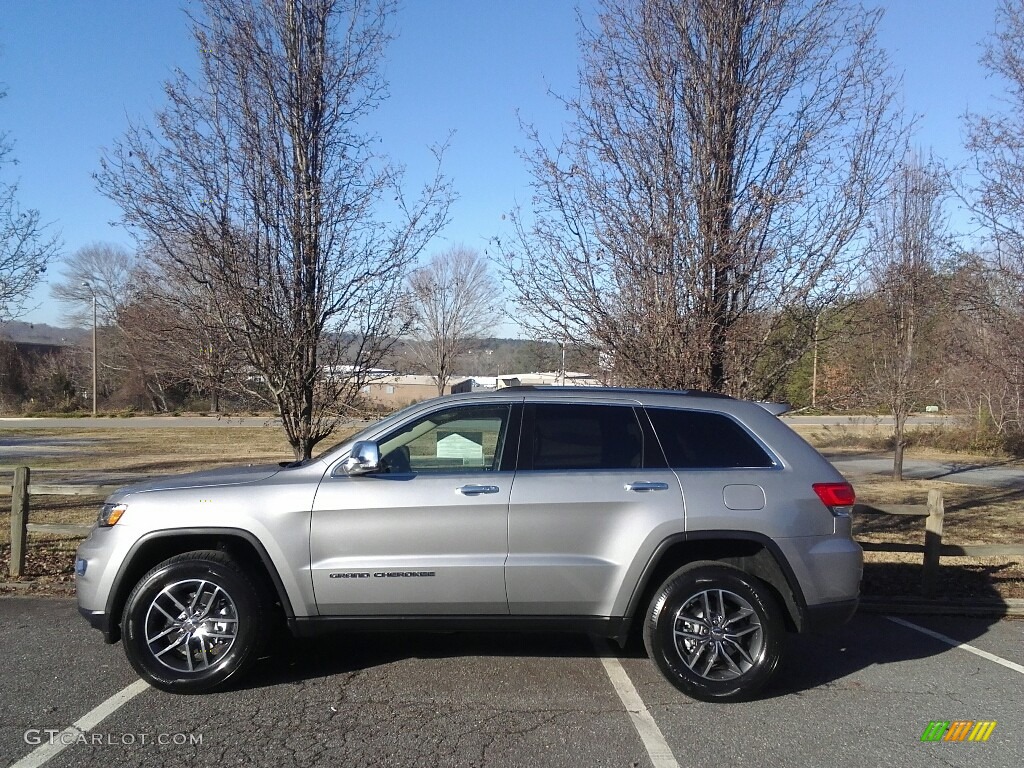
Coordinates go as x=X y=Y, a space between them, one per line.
x=940 y=607
x=21 y=586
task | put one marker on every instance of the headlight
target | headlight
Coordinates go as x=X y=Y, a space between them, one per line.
x=110 y=514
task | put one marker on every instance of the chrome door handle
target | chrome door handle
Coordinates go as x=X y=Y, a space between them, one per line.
x=646 y=486
x=476 y=490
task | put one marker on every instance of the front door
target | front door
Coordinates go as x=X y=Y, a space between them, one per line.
x=429 y=533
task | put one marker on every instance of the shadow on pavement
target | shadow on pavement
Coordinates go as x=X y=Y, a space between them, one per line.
x=290 y=661
x=809 y=661
x=814 y=660
x=977 y=582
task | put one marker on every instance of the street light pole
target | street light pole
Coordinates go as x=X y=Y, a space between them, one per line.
x=92 y=290
x=94 y=353
x=814 y=367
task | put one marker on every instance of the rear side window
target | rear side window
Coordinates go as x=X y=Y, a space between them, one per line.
x=565 y=436
x=705 y=440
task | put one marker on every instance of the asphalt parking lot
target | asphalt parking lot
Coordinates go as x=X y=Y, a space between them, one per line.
x=859 y=696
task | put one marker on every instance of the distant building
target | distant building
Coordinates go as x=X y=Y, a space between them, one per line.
x=402 y=389
x=346 y=370
x=475 y=384
x=548 y=378
x=30 y=350
x=399 y=389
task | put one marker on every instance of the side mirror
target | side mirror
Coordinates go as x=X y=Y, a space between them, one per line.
x=365 y=458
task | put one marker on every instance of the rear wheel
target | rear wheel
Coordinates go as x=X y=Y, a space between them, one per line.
x=192 y=622
x=714 y=631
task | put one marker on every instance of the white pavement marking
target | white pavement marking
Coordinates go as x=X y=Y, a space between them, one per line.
x=957 y=644
x=87 y=722
x=648 y=730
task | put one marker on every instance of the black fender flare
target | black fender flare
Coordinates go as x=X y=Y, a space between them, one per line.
x=118 y=592
x=793 y=597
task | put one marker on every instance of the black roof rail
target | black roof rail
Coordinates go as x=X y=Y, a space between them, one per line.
x=620 y=390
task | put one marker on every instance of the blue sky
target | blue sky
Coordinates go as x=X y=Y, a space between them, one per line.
x=76 y=70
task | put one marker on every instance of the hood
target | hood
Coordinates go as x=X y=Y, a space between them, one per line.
x=212 y=477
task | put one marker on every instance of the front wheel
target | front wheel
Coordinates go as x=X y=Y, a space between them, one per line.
x=192 y=622
x=714 y=631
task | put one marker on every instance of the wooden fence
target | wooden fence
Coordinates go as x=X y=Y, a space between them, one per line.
x=21 y=491
x=934 y=513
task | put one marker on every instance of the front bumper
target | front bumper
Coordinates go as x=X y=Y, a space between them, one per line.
x=96 y=567
x=99 y=620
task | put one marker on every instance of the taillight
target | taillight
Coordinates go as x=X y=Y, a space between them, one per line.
x=839 y=497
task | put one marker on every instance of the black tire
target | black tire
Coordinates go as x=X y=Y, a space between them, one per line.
x=726 y=653
x=192 y=622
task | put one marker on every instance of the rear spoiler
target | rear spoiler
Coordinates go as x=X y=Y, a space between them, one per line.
x=775 y=409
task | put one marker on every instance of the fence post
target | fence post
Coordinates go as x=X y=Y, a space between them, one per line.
x=19 y=519
x=932 y=542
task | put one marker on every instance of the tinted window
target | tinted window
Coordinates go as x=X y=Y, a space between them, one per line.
x=584 y=437
x=465 y=439
x=703 y=440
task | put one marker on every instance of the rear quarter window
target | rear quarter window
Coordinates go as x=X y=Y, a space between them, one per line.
x=705 y=440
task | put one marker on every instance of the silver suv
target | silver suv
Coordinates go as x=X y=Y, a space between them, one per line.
x=701 y=521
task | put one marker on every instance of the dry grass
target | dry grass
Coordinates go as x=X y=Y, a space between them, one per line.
x=61 y=454
x=57 y=455
x=974 y=515
x=155 y=450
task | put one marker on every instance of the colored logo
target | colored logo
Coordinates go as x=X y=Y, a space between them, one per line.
x=958 y=730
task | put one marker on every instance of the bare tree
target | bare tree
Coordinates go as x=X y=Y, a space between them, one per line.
x=996 y=196
x=154 y=323
x=996 y=143
x=909 y=239
x=103 y=270
x=177 y=326
x=113 y=276
x=453 y=301
x=25 y=246
x=986 y=367
x=257 y=184
x=715 y=175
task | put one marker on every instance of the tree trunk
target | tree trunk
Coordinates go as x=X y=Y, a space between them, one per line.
x=899 y=440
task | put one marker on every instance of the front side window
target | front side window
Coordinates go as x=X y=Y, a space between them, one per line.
x=461 y=439
x=705 y=440
x=561 y=436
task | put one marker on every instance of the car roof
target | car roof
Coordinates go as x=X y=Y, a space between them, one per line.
x=637 y=391
x=635 y=396
x=691 y=398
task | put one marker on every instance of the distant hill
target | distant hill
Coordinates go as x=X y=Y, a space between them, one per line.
x=41 y=333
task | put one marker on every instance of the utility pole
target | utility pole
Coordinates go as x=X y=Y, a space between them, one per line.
x=814 y=367
x=93 y=291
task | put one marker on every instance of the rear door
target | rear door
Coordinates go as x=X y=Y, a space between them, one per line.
x=730 y=479
x=592 y=488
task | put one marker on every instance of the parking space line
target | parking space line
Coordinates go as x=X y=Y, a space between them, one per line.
x=957 y=644
x=87 y=722
x=648 y=731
